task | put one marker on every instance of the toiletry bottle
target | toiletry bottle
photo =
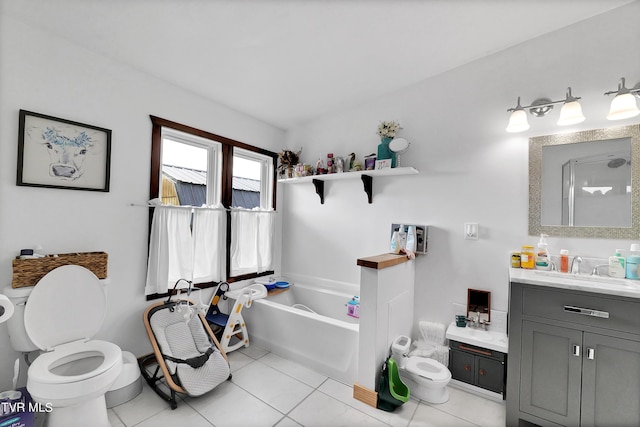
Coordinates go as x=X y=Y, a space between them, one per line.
x=617 y=266
x=564 y=261
x=543 y=259
x=411 y=239
x=633 y=262
x=402 y=237
x=527 y=257
x=395 y=242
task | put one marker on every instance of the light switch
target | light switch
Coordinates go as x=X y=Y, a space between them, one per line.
x=471 y=231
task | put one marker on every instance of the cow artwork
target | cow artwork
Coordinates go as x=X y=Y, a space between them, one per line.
x=62 y=154
x=67 y=153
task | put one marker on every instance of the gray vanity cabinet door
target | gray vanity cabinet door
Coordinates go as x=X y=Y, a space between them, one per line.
x=551 y=371
x=611 y=381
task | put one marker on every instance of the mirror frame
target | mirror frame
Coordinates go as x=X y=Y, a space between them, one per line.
x=535 y=184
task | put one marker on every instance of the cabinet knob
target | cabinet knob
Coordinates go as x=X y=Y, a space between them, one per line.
x=482 y=372
x=467 y=368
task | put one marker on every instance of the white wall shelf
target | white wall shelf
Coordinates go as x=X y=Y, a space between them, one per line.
x=365 y=176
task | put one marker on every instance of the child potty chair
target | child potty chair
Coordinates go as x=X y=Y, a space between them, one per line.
x=427 y=378
x=65 y=309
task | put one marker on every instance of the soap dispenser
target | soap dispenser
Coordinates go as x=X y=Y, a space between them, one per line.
x=633 y=261
x=543 y=259
x=617 y=267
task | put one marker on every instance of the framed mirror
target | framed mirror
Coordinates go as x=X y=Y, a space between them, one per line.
x=479 y=304
x=586 y=184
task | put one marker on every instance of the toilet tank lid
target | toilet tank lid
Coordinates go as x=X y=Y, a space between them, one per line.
x=66 y=305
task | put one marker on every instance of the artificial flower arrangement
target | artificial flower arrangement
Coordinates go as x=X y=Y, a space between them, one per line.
x=288 y=160
x=388 y=129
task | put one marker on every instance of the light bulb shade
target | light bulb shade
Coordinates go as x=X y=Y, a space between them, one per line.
x=623 y=106
x=518 y=121
x=570 y=114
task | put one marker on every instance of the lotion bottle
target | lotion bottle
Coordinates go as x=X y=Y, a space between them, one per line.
x=543 y=259
x=411 y=239
x=395 y=242
x=617 y=267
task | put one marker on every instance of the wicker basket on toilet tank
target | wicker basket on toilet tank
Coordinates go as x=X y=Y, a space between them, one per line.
x=27 y=272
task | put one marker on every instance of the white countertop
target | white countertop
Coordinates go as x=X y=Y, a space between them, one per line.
x=577 y=282
x=491 y=340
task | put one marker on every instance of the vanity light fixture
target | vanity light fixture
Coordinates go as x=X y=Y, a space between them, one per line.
x=624 y=104
x=518 y=119
x=571 y=112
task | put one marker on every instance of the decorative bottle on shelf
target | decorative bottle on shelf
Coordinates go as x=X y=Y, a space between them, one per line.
x=384 y=152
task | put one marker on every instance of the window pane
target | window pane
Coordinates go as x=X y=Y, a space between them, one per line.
x=184 y=173
x=247 y=182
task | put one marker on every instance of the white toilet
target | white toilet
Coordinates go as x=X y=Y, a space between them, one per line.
x=427 y=379
x=64 y=310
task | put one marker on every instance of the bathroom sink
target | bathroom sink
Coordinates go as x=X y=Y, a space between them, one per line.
x=492 y=340
x=586 y=277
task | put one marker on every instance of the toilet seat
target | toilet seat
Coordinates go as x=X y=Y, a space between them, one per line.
x=428 y=368
x=42 y=367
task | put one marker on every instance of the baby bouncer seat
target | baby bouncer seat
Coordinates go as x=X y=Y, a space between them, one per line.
x=190 y=360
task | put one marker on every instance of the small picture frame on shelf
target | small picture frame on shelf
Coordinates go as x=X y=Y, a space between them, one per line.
x=383 y=164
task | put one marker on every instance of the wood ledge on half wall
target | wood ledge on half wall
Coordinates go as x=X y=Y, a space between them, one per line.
x=379 y=262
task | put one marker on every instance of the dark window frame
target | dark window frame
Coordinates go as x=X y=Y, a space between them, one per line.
x=226 y=176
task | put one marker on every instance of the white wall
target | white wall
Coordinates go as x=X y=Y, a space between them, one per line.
x=43 y=73
x=471 y=170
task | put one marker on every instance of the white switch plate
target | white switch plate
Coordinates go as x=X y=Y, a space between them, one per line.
x=471 y=231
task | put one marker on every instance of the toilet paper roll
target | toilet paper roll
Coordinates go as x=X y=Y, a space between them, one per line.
x=6 y=308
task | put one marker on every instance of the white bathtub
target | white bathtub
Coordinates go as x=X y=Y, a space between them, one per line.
x=326 y=341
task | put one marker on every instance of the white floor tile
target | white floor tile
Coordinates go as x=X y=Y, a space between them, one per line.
x=237 y=360
x=271 y=386
x=429 y=416
x=320 y=410
x=293 y=369
x=113 y=419
x=287 y=422
x=474 y=408
x=229 y=405
x=143 y=406
x=344 y=393
x=183 y=415
x=253 y=351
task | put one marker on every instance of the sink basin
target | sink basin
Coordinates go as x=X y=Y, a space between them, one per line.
x=492 y=340
x=586 y=277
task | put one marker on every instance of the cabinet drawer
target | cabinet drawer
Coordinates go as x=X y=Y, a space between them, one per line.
x=592 y=310
x=478 y=351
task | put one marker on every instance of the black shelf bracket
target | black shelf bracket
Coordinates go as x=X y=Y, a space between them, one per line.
x=319 y=184
x=367 y=180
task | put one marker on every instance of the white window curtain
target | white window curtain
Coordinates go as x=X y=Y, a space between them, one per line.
x=176 y=252
x=251 y=241
x=209 y=231
x=170 y=249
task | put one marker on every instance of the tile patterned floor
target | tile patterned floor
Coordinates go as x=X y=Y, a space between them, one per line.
x=267 y=390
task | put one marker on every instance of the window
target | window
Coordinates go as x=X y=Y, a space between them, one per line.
x=191 y=167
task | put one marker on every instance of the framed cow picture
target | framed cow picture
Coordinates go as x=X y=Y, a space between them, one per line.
x=59 y=153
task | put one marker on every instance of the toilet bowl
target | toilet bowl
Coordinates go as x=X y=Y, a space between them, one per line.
x=64 y=310
x=426 y=378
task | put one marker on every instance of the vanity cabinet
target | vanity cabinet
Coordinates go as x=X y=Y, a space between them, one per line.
x=477 y=366
x=575 y=358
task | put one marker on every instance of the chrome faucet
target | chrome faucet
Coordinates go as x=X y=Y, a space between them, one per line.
x=579 y=261
x=596 y=269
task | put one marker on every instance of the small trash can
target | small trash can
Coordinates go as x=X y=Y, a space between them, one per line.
x=129 y=382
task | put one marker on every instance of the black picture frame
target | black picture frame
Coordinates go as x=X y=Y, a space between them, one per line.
x=61 y=153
